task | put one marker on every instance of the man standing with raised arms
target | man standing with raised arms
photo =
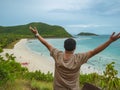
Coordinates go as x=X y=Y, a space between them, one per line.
x=67 y=64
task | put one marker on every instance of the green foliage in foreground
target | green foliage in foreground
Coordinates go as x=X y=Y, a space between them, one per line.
x=22 y=84
x=38 y=75
x=108 y=81
x=12 y=74
x=38 y=85
x=10 y=69
x=1 y=50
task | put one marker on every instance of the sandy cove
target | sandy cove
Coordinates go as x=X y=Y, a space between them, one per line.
x=34 y=61
x=30 y=59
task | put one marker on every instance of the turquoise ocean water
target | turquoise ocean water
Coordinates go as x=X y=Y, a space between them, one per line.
x=84 y=44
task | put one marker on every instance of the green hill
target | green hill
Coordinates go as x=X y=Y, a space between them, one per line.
x=10 y=34
x=44 y=29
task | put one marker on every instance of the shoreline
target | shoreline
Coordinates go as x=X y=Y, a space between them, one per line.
x=34 y=61
x=29 y=59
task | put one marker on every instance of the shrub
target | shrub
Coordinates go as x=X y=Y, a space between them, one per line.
x=10 y=70
x=38 y=75
x=35 y=85
x=1 y=50
x=92 y=78
x=110 y=80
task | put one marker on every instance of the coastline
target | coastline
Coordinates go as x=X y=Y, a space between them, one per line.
x=29 y=59
x=34 y=61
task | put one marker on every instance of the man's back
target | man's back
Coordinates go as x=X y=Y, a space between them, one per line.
x=67 y=70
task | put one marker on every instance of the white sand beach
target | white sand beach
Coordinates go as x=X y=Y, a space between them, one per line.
x=34 y=61
x=29 y=59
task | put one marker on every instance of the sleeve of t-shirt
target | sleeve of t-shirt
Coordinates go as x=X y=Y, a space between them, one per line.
x=83 y=57
x=54 y=53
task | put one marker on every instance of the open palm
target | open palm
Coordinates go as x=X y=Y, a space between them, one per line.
x=114 y=37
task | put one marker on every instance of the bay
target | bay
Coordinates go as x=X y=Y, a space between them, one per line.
x=84 y=44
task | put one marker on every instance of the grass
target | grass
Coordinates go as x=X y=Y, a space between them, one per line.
x=21 y=84
x=41 y=85
x=17 y=85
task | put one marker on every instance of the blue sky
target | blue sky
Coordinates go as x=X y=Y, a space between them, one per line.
x=97 y=16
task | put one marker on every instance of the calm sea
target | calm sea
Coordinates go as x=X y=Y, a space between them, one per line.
x=84 y=44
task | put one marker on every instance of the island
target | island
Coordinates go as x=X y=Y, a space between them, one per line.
x=86 y=34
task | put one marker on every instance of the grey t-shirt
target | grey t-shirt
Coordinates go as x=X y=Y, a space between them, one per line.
x=67 y=71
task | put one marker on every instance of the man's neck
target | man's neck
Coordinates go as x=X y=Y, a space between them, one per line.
x=69 y=52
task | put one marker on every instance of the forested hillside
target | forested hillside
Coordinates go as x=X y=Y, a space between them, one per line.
x=44 y=29
x=11 y=34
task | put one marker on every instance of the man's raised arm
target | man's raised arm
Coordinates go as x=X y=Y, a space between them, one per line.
x=41 y=39
x=112 y=38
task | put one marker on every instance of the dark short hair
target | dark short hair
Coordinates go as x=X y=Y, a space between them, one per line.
x=69 y=44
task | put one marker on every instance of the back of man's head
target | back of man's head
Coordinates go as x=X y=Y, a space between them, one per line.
x=69 y=44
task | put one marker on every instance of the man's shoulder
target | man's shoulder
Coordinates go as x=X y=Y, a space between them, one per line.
x=82 y=54
x=56 y=51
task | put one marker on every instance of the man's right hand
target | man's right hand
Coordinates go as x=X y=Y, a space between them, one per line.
x=41 y=39
x=34 y=30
